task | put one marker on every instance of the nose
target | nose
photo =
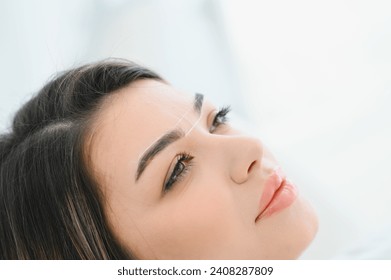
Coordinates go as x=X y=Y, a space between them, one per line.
x=244 y=157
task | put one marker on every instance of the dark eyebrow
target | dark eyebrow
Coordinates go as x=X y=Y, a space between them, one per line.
x=198 y=99
x=165 y=140
x=157 y=147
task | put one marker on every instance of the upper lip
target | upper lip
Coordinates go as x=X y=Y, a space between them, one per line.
x=272 y=184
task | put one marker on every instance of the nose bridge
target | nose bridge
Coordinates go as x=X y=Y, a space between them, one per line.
x=241 y=155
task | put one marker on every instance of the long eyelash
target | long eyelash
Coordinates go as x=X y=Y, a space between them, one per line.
x=220 y=118
x=184 y=159
x=223 y=112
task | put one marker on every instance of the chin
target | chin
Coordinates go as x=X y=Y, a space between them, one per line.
x=292 y=231
x=307 y=226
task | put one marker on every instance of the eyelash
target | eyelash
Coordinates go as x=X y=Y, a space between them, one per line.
x=182 y=166
x=184 y=160
x=220 y=118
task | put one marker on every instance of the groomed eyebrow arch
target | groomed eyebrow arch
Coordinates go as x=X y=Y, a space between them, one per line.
x=165 y=140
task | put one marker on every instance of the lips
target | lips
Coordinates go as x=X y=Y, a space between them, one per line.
x=278 y=194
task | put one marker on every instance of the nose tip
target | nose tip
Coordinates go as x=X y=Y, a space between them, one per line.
x=244 y=157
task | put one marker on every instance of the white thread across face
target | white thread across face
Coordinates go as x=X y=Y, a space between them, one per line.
x=194 y=125
x=217 y=200
x=177 y=124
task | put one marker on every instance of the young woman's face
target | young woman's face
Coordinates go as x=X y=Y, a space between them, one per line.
x=179 y=183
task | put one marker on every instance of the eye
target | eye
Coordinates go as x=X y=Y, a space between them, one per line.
x=220 y=118
x=180 y=169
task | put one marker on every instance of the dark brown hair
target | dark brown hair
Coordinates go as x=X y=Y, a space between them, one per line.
x=50 y=205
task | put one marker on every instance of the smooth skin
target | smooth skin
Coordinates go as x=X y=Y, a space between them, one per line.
x=210 y=213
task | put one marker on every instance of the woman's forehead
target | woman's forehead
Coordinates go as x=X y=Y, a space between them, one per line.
x=156 y=99
x=157 y=92
x=145 y=100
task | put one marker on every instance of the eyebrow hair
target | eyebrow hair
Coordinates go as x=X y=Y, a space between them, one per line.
x=165 y=140
x=198 y=99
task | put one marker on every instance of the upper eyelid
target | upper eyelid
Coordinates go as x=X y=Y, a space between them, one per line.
x=170 y=169
x=187 y=161
x=211 y=116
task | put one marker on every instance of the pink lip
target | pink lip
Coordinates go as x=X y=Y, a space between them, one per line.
x=278 y=194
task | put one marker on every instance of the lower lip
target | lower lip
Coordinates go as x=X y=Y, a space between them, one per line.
x=282 y=198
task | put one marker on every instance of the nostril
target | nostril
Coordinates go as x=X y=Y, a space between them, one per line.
x=251 y=166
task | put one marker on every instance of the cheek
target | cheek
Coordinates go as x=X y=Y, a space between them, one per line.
x=194 y=222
